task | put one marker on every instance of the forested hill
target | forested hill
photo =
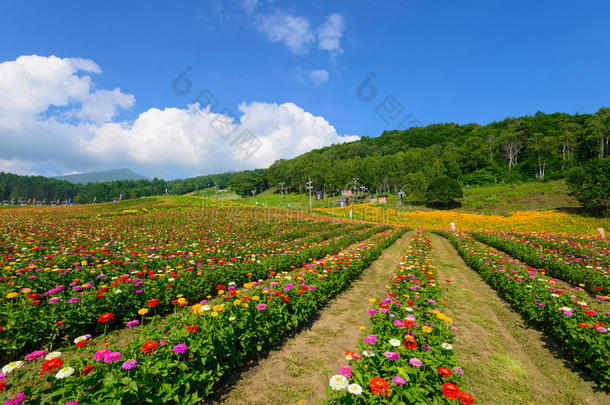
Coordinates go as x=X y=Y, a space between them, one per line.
x=542 y=146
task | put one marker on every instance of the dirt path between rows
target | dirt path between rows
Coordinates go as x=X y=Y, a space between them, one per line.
x=505 y=361
x=299 y=370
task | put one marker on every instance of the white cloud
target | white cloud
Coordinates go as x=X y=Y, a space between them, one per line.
x=161 y=142
x=316 y=76
x=329 y=34
x=292 y=31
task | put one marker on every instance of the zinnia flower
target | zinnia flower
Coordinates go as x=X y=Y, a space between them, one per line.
x=338 y=382
x=415 y=362
x=100 y=354
x=51 y=365
x=86 y=370
x=451 y=390
x=391 y=355
x=52 y=355
x=378 y=386
x=112 y=357
x=346 y=371
x=466 y=398
x=15 y=399
x=12 y=366
x=397 y=380
x=261 y=307
x=447 y=346
x=150 y=346
x=370 y=339
x=410 y=342
x=108 y=316
x=64 y=372
x=133 y=323
x=179 y=348
x=354 y=389
x=129 y=364
x=35 y=355
x=394 y=342
x=443 y=372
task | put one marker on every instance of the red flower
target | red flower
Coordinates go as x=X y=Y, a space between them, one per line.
x=451 y=390
x=192 y=328
x=590 y=312
x=466 y=398
x=2 y=385
x=410 y=342
x=153 y=303
x=444 y=372
x=82 y=343
x=0 y=328
x=59 y=323
x=583 y=325
x=86 y=370
x=105 y=317
x=51 y=365
x=379 y=386
x=149 y=347
x=285 y=298
x=407 y=323
x=220 y=287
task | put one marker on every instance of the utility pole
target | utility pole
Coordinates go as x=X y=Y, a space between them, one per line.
x=355 y=180
x=216 y=189
x=309 y=187
x=363 y=188
x=282 y=191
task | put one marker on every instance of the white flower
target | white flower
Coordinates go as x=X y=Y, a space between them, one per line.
x=80 y=339
x=566 y=309
x=395 y=342
x=64 y=372
x=206 y=308
x=338 y=382
x=231 y=319
x=368 y=353
x=52 y=355
x=354 y=389
x=555 y=295
x=12 y=366
x=118 y=291
x=447 y=346
x=232 y=283
x=171 y=279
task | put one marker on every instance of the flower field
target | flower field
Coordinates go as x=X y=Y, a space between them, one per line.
x=578 y=325
x=407 y=355
x=586 y=265
x=182 y=359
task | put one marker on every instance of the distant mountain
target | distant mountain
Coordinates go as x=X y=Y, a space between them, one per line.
x=103 y=176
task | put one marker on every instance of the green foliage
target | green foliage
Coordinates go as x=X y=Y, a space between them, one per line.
x=590 y=185
x=444 y=191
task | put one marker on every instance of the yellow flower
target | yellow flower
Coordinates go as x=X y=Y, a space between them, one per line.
x=11 y=295
x=143 y=311
x=214 y=314
x=245 y=305
x=181 y=300
x=362 y=328
x=218 y=308
x=372 y=300
x=236 y=302
x=196 y=308
x=255 y=298
x=220 y=292
x=426 y=329
x=26 y=290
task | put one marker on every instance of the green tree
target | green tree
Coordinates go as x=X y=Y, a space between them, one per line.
x=590 y=185
x=443 y=191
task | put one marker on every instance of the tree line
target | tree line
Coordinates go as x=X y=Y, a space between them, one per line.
x=542 y=146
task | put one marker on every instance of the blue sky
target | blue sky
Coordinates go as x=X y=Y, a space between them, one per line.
x=287 y=64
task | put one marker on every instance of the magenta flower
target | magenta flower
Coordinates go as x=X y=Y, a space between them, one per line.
x=396 y=380
x=131 y=324
x=129 y=364
x=415 y=362
x=112 y=357
x=261 y=307
x=71 y=403
x=179 y=348
x=35 y=355
x=15 y=399
x=370 y=339
x=346 y=371
x=392 y=355
x=100 y=354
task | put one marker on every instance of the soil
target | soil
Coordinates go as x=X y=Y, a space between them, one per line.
x=505 y=360
x=299 y=370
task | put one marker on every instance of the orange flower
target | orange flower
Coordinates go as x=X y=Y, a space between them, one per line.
x=86 y=370
x=466 y=398
x=443 y=372
x=192 y=328
x=149 y=347
x=378 y=386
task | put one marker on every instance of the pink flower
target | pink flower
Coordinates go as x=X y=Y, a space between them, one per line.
x=370 y=339
x=100 y=354
x=35 y=355
x=112 y=357
x=179 y=348
x=261 y=307
x=396 y=380
x=392 y=355
x=346 y=371
x=129 y=364
x=15 y=399
x=415 y=362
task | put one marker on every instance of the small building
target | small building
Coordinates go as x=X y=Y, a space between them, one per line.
x=342 y=202
x=347 y=192
x=382 y=199
x=319 y=195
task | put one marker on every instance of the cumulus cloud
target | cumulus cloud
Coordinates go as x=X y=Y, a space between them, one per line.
x=292 y=31
x=329 y=34
x=61 y=120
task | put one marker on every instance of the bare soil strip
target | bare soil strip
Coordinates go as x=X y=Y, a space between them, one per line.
x=299 y=370
x=505 y=361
